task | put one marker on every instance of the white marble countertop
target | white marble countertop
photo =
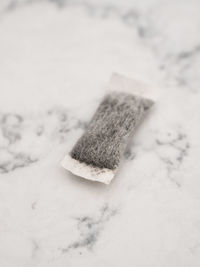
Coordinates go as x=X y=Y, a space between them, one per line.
x=55 y=58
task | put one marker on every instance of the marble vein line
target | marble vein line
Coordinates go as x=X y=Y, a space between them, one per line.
x=89 y=228
x=180 y=146
x=19 y=132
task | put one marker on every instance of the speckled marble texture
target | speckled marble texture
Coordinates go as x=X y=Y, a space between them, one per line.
x=55 y=58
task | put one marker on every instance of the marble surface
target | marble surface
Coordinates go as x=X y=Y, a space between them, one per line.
x=55 y=59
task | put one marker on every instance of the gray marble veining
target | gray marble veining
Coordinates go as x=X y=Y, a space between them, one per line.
x=55 y=59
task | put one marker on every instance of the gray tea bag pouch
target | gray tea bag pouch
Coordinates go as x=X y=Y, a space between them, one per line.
x=97 y=153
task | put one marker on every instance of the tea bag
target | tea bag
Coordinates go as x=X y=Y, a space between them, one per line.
x=96 y=155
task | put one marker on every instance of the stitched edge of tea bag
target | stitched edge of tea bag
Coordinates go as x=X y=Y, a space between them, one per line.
x=121 y=83
x=87 y=172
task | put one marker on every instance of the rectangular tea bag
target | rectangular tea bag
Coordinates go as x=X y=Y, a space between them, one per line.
x=96 y=155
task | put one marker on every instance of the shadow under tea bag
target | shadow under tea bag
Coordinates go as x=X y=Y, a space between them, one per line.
x=97 y=153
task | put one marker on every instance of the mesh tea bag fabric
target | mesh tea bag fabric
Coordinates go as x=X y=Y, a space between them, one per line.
x=96 y=155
